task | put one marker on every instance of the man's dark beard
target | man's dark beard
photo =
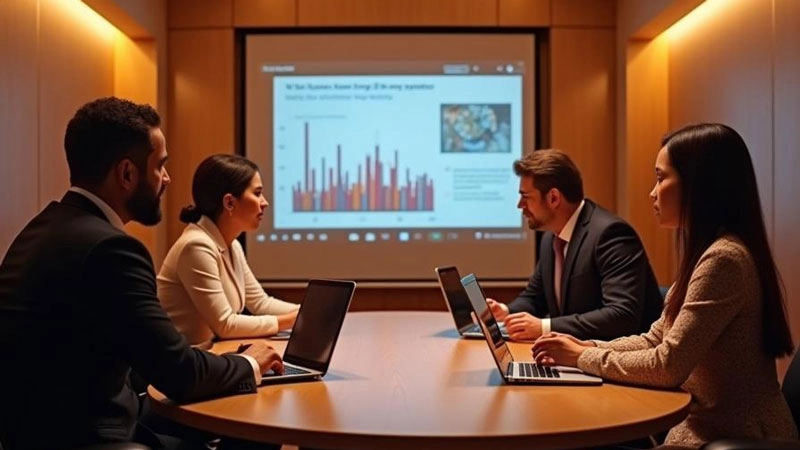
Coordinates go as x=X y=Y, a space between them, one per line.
x=145 y=205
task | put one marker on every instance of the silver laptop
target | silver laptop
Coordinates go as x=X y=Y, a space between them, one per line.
x=458 y=304
x=315 y=332
x=513 y=371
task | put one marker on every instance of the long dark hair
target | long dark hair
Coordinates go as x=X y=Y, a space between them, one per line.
x=719 y=195
x=216 y=176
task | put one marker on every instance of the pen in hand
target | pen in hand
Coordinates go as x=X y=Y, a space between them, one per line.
x=242 y=347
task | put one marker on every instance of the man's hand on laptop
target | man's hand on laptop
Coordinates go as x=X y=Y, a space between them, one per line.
x=499 y=310
x=522 y=326
x=266 y=357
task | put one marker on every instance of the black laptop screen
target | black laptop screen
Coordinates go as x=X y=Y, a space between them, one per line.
x=456 y=297
x=318 y=323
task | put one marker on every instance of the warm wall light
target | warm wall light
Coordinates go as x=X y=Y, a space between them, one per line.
x=79 y=12
x=704 y=13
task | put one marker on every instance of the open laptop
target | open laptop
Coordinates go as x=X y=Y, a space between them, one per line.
x=513 y=371
x=315 y=332
x=458 y=303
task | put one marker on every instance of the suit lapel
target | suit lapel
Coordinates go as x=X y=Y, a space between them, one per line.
x=227 y=255
x=575 y=243
x=236 y=276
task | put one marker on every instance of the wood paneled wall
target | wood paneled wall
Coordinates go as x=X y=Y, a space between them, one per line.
x=201 y=109
x=57 y=55
x=19 y=109
x=582 y=106
x=720 y=70
x=581 y=67
x=646 y=121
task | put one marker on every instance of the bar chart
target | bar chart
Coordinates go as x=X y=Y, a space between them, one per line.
x=375 y=185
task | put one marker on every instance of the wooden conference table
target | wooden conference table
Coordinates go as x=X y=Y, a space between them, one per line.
x=401 y=380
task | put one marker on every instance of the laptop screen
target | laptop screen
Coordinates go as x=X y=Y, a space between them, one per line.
x=490 y=327
x=318 y=323
x=454 y=295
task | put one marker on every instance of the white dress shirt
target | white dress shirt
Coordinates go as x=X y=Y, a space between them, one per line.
x=566 y=235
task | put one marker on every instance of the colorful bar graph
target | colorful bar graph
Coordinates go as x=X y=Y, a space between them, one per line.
x=368 y=191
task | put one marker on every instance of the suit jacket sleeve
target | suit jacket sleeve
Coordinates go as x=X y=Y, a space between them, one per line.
x=256 y=300
x=531 y=300
x=131 y=318
x=198 y=270
x=623 y=266
x=714 y=297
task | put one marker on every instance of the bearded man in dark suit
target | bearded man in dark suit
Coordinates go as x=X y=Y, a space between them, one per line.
x=78 y=305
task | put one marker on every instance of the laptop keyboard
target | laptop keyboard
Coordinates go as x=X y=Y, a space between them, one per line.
x=287 y=370
x=533 y=370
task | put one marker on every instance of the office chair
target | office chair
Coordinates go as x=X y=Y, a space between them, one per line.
x=791 y=392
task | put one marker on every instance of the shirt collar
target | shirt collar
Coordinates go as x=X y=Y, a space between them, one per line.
x=569 y=228
x=109 y=212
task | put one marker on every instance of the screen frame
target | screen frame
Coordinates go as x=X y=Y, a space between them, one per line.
x=311 y=364
x=506 y=358
x=541 y=103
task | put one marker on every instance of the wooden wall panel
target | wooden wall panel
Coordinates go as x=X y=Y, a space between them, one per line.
x=113 y=11
x=523 y=13
x=19 y=158
x=136 y=78
x=201 y=112
x=199 y=13
x=646 y=20
x=137 y=19
x=264 y=13
x=720 y=70
x=646 y=122
x=580 y=13
x=582 y=100
x=338 y=13
x=787 y=153
x=76 y=65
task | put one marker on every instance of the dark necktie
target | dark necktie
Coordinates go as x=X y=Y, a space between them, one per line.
x=558 y=250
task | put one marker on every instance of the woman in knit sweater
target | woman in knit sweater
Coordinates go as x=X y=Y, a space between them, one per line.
x=724 y=322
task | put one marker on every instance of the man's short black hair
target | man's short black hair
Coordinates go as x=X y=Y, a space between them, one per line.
x=104 y=132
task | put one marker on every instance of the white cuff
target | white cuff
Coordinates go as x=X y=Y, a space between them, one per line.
x=545 y=326
x=254 y=364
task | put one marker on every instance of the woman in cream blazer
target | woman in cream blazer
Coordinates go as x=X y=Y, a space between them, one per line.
x=205 y=283
x=724 y=322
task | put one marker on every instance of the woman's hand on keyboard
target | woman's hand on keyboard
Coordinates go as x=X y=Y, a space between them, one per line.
x=559 y=349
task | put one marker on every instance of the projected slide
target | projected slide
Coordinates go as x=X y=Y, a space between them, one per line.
x=391 y=151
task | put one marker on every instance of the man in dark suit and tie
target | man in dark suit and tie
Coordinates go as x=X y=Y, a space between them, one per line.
x=593 y=279
x=78 y=306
